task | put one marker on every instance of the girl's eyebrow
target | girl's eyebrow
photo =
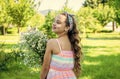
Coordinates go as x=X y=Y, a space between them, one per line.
x=56 y=19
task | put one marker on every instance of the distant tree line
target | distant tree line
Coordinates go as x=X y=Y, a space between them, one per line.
x=92 y=17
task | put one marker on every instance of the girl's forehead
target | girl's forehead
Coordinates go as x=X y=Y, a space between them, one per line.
x=60 y=17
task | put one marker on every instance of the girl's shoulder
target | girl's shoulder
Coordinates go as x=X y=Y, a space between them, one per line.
x=51 y=42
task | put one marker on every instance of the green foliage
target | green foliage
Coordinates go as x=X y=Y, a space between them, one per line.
x=3 y=65
x=17 y=12
x=86 y=21
x=93 y=19
x=94 y=3
x=5 y=19
x=47 y=27
x=20 y=12
x=36 y=21
x=104 y=14
x=117 y=16
x=7 y=59
x=117 y=10
x=33 y=43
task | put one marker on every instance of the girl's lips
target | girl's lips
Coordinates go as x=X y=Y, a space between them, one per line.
x=54 y=27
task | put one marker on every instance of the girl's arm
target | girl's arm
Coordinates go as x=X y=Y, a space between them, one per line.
x=47 y=60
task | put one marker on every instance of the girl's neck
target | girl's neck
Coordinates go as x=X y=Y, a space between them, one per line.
x=62 y=35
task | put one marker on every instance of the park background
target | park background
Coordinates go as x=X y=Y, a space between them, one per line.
x=98 y=22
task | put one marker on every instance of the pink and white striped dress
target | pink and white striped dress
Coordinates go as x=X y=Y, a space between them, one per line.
x=61 y=66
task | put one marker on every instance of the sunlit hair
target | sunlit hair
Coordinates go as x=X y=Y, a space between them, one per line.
x=74 y=38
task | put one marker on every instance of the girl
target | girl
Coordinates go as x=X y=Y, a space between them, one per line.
x=62 y=56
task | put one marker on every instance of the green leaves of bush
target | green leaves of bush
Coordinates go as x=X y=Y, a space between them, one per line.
x=34 y=44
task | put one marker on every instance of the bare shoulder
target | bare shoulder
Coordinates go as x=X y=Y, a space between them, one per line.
x=51 y=43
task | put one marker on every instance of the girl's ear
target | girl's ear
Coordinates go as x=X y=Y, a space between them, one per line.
x=67 y=28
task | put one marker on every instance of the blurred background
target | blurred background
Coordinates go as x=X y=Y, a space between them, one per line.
x=25 y=26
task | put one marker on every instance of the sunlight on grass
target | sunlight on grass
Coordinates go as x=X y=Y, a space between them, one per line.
x=94 y=54
x=102 y=44
x=9 y=39
x=91 y=63
x=35 y=69
x=101 y=56
x=85 y=77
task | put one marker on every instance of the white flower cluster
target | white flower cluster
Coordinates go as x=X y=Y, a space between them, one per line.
x=35 y=42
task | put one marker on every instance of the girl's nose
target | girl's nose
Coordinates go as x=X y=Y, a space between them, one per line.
x=54 y=23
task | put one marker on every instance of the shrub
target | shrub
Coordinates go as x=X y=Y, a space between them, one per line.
x=34 y=44
x=7 y=59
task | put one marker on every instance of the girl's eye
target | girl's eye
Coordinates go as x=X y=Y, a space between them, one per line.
x=58 y=22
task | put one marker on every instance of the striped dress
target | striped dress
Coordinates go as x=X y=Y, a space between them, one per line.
x=61 y=66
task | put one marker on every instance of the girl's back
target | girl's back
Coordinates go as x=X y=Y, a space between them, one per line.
x=62 y=63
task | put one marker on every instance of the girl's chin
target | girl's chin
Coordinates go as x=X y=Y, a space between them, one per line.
x=54 y=31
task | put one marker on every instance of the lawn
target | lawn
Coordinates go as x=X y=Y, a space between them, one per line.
x=101 y=56
x=100 y=61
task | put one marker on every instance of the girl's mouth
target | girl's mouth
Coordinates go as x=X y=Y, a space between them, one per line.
x=54 y=27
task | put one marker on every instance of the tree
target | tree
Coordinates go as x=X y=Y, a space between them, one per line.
x=36 y=21
x=4 y=18
x=104 y=15
x=103 y=10
x=115 y=5
x=94 y=3
x=117 y=10
x=86 y=21
x=20 y=11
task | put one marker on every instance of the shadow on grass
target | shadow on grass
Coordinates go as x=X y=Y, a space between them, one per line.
x=108 y=67
x=7 y=46
x=89 y=47
x=104 y=38
x=18 y=71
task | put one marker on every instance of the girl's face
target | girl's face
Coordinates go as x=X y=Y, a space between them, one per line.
x=59 y=24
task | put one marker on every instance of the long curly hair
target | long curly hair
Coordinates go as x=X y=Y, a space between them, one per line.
x=75 y=42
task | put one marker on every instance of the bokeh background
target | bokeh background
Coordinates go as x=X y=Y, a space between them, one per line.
x=25 y=26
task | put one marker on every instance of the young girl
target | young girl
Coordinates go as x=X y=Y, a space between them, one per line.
x=62 y=56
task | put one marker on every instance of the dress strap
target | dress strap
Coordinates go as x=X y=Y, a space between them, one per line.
x=59 y=45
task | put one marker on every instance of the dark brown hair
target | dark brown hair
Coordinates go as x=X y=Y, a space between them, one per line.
x=75 y=42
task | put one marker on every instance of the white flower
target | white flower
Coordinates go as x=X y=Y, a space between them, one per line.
x=35 y=43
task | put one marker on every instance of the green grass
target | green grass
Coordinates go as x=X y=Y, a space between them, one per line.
x=100 y=61
x=101 y=56
x=19 y=74
x=9 y=41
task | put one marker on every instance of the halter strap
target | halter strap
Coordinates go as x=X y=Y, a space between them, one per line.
x=59 y=45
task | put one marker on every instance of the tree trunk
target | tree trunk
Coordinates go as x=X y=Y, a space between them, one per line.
x=3 y=30
x=116 y=25
x=18 y=29
x=113 y=26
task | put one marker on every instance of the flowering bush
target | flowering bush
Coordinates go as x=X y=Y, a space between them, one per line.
x=34 y=43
